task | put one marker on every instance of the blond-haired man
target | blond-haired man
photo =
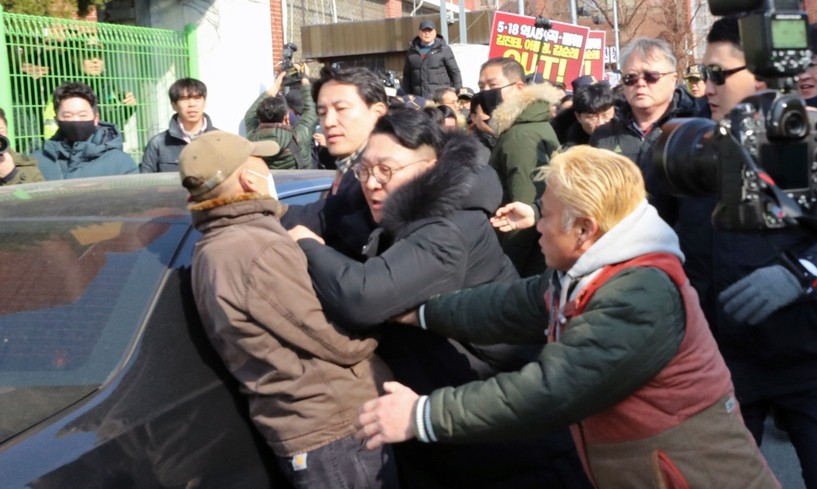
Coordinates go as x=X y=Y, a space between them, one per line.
x=630 y=361
x=304 y=376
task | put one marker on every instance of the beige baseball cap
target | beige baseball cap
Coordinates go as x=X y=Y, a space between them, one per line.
x=212 y=157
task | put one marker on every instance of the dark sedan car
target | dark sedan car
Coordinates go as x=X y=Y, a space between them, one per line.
x=106 y=376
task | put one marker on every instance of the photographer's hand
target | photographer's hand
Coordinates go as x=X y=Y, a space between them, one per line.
x=276 y=85
x=757 y=295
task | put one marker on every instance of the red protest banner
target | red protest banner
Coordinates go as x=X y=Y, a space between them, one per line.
x=557 y=53
x=594 y=54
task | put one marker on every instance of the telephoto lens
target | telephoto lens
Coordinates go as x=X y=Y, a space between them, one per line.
x=4 y=144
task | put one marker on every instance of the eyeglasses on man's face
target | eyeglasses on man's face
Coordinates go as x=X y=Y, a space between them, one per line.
x=381 y=173
x=651 y=77
x=718 y=75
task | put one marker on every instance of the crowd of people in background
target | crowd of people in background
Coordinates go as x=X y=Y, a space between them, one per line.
x=504 y=267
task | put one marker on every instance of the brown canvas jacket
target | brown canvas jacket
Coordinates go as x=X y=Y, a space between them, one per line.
x=304 y=376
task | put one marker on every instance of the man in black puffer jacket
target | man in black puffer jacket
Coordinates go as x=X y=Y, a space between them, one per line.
x=430 y=64
x=431 y=200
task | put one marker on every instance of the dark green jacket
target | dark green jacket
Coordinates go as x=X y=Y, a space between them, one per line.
x=25 y=170
x=628 y=332
x=525 y=142
x=284 y=134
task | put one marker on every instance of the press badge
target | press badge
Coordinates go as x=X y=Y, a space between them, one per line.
x=299 y=462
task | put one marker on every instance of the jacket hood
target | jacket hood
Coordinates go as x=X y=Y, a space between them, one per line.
x=515 y=108
x=459 y=180
x=639 y=233
x=105 y=138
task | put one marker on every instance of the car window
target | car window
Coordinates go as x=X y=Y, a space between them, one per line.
x=77 y=290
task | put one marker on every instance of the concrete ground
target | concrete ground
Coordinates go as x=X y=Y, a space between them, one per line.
x=780 y=455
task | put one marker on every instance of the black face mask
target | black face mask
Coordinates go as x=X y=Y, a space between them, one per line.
x=491 y=99
x=76 y=131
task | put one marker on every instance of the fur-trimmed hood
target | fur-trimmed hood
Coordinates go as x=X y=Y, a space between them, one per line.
x=461 y=179
x=515 y=108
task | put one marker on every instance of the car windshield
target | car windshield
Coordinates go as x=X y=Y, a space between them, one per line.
x=82 y=263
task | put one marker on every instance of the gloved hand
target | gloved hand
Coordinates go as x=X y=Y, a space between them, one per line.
x=754 y=297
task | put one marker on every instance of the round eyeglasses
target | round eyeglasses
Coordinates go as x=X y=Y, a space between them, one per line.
x=381 y=173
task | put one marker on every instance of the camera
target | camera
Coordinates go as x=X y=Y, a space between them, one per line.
x=4 y=144
x=760 y=159
x=293 y=75
x=542 y=22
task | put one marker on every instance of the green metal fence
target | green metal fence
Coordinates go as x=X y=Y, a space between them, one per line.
x=129 y=68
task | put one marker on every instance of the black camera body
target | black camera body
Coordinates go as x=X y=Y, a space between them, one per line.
x=293 y=75
x=760 y=159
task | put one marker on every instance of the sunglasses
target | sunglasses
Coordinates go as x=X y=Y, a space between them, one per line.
x=650 y=77
x=718 y=75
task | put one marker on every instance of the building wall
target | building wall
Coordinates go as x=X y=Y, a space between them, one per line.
x=234 y=46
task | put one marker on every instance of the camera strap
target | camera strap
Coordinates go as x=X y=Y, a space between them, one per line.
x=806 y=277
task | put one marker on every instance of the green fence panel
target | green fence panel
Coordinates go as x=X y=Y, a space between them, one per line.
x=129 y=68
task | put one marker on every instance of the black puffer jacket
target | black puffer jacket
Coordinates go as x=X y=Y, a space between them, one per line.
x=434 y=237
x=423 y=75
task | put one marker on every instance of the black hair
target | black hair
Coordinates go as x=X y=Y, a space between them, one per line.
x=566 y=98
x=592 y=99
x=189 y=87
x=75 y=90
x=511 y=68
x=3 y=117
x=725 y=29
x=369 y=86
x=435 y=115
x=411 y=128
x=272 y=109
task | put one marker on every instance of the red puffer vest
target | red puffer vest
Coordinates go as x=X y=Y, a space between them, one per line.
x=681 y=429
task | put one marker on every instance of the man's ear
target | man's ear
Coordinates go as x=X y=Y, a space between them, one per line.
x=588 y=230
x=379 y=108
x=248 y=181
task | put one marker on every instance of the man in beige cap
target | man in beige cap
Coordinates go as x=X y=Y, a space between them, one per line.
x=304 y=377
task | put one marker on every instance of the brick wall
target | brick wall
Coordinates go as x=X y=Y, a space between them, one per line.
x=277 y=29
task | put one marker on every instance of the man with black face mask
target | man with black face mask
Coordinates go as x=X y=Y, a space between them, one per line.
x=525 y=141
x=83 y=146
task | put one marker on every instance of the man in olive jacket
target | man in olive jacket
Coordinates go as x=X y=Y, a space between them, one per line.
x=630 y=362
x=304 y=377
x=267 y=119
x=430 y=64
x=525 y=141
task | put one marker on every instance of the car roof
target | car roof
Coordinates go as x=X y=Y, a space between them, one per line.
x=150 y=195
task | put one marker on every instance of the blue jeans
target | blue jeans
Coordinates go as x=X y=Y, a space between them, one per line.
x=342 y=464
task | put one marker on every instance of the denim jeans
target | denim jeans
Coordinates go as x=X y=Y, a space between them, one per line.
x=342 y=464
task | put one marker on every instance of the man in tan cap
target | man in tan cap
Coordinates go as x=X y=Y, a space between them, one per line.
x=304 y=377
